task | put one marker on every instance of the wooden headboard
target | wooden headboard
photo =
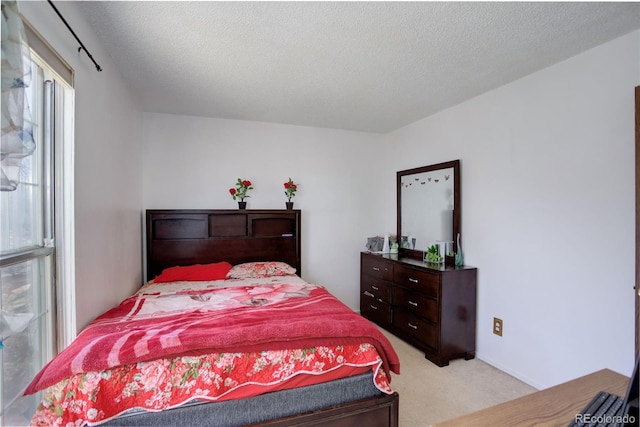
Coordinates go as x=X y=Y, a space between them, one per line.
x=186 y=237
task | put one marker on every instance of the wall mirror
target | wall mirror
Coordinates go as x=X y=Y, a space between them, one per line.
x=428 y=206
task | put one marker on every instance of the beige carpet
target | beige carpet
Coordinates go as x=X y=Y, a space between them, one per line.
x=429 y=394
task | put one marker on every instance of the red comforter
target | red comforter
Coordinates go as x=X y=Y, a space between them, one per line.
x=239 y=319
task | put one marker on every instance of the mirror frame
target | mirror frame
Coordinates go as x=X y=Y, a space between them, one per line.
x=455 y=164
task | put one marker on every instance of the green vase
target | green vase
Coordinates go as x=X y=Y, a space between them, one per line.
x=459 y=253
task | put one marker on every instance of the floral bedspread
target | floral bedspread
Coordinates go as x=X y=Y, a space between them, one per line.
x=93 y=396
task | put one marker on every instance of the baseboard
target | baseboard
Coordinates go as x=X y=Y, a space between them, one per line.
x=509 y=371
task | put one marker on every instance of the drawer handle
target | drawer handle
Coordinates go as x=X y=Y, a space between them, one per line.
x=415 y=304
x=375 y=288
x=373 y=306
x=369 y=294
x=411 y=325
x=413 y=280
x=376 y=268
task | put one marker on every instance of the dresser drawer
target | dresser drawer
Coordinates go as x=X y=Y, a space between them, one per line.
x=421 y=280
x=377 y=267
x=374 y=309
x=416 y=303
x=376 y=287
x=416 y=327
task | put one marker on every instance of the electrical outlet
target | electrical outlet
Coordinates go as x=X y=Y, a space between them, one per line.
x=497 y=326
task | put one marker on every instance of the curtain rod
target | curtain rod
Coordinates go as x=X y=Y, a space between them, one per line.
x=74 y=35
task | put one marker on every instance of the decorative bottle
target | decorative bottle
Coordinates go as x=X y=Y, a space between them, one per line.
x=385 y=245
x=459 y=254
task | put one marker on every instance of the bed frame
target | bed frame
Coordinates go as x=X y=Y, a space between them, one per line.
x=185 y=237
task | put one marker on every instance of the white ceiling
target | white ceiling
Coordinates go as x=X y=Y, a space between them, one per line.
x=366 y=66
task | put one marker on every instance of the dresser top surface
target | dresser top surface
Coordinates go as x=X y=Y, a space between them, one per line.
x=418 y=263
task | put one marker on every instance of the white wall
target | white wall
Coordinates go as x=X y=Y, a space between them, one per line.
x=191 y=162
x=108 y=178
x=548 y=202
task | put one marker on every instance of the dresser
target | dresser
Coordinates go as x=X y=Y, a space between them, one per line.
x=432 y=308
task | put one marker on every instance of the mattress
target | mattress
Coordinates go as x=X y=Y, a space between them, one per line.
x=269 y=406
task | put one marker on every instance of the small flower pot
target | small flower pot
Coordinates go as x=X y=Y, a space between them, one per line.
x=242 y=205
x=450 y=260
x=289 y=205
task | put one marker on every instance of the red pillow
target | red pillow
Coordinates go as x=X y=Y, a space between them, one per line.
x=194 y=273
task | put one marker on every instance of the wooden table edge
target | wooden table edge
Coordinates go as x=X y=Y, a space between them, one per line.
x=554 y=406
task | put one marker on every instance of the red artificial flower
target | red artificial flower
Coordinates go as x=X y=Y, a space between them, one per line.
x=290 y=189
x=240 y=192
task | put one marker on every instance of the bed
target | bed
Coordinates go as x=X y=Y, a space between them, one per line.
x=226 y=334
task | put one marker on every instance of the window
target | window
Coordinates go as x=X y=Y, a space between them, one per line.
x=36 y=251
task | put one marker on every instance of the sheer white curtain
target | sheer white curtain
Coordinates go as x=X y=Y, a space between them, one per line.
x=17 y=128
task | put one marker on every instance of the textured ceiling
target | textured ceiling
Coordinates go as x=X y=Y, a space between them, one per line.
x=367 y=66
